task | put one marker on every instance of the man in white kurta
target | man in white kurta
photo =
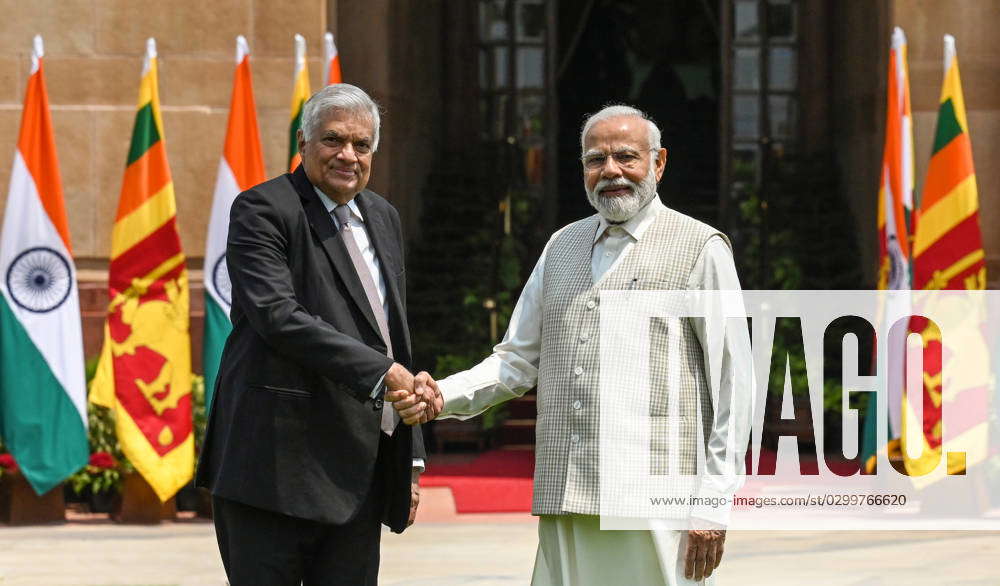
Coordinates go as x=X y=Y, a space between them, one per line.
x=634 y=241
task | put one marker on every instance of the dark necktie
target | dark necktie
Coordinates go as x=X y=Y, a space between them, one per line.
x=390 y=417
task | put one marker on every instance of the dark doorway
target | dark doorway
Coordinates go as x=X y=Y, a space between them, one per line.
x=661 y=56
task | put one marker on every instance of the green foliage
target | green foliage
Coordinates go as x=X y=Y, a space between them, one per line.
x=102 y=438
x=198 y=410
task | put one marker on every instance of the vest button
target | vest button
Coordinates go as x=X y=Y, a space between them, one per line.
x=578 y=371
x=574 y=439
x=584 y=337
x=591 y=304
x=577 y=405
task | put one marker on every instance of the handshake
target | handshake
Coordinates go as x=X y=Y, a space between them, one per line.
x=416 y=398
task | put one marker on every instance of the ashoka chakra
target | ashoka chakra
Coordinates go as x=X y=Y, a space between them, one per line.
x=39 y=279
x=220 y=278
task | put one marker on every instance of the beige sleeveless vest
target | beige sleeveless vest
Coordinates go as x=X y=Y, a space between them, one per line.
x=567 y=441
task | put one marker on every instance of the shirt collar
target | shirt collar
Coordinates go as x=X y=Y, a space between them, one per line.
x=329 y=204
x=637 y=225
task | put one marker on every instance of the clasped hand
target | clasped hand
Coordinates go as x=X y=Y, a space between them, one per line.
x=416 y=398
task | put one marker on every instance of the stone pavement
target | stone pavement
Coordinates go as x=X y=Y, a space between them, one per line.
x=445 y=549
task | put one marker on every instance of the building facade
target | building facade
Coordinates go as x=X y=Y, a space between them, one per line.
x=764 y=103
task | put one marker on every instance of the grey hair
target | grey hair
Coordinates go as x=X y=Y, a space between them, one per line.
x=616 y=111
x=344 y=97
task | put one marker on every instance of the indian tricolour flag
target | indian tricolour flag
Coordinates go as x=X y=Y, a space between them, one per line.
x=43 y=398
x=331 y=61
x=895 y=205
x=300 y=93
x=241 y=167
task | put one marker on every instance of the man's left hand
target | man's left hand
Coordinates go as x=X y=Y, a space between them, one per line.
x=704 y=552
x=414 y=501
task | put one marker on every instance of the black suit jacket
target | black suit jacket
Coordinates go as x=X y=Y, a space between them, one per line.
x=293 y=428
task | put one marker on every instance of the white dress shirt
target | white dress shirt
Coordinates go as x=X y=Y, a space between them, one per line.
x=512 y=369
x=364 y=243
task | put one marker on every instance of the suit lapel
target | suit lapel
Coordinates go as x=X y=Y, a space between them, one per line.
x=333 y=244
x=381 y=234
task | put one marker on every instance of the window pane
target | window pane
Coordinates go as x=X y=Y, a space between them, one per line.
x=498 y=126
x=500 y=73
x=744 y=164
x=783 y=117
x=531 y=113
x=493 y=20
x=484 y=69
x=530 y=67
x=745 y=116
x=530 y=21
x=745 y=16
x=746 y=69
x=492 y=117
x=781 y=19
x=781 y=72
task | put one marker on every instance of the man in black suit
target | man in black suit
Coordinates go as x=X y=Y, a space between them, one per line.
x=303 y=457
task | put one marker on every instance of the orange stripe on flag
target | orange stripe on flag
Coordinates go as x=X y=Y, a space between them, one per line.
x=947 y=168
x=37 y=145
x=242 y=148
x=333 y=74
x=143 y=179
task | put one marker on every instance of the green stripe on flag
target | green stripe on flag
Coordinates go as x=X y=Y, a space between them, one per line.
x=293 y=139
x=144 y=135
x=947 y=126
x=39 y=424
x=217 y=329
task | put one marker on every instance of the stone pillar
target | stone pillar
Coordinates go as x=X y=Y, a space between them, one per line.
x=394 y=51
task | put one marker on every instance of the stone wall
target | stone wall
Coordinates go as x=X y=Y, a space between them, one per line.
x=94 y=51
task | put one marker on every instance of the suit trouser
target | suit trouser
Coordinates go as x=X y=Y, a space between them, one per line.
x=264 y=548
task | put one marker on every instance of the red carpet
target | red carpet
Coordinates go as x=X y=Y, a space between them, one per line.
x=498 y=481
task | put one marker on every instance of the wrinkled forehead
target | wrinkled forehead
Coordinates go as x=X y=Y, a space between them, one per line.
x=617 y=132
x=354 y=121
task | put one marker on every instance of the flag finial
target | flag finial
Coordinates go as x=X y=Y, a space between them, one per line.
x=949 y=51
x=300 y=49
x=898 y=38
x=37 y=52
x=147 y=61
x=242 y=48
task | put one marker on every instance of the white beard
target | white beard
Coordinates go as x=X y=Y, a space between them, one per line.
x=621 y=208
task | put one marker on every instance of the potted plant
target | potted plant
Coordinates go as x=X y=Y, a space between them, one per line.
x=19 y=504
x=99 y=482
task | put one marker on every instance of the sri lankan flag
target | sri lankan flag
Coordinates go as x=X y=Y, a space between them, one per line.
x=300 y=93
x=948 y=254
x=144 y=372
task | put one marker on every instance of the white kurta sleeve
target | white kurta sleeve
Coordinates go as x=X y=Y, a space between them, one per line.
x=512 y=369
x=728 y=367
